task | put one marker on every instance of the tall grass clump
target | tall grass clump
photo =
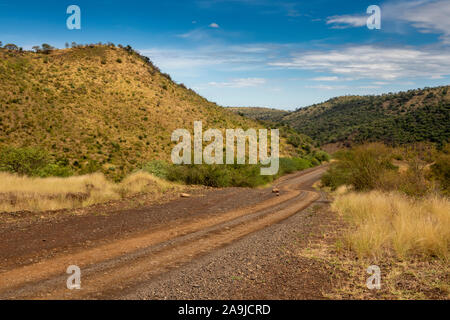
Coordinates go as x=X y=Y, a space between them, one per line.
x=21 y=193
x=395 y=225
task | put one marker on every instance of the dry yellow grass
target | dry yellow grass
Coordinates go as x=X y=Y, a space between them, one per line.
x=393 y=224
x=41 y=194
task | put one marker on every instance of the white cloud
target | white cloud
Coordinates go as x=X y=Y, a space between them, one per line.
x=293 y=13
x=196 y=34
x=347 y=21
x=325 y=79
x=425 y=15
x=239 y=83
x=370 y=62
x=231 y=57
x=174 y=59
x=428 y=16
x=325 y=87
x=214 y=25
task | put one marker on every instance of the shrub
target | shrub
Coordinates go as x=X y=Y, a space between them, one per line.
x=289 y=165
x=158 y=168
x=370 y=167
x=54 y=170
x=208 y=175
x=322 y=156
x=440 y=170
x=91 y=167
x=233 y=175
x=31 y=162
x=24 y=161
x=361 y=167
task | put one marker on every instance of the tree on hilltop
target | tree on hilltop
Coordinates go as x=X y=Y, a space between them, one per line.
x=11 y=46
x=46 y=48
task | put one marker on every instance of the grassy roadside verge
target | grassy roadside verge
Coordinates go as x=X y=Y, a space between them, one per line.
x=393 y=212
x=21 y=193
x=401 y=279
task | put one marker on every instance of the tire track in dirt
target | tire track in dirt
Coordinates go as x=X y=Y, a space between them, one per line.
x=112 y=267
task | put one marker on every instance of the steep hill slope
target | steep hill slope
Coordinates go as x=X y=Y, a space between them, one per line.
x=99 y=107
x=405 y=117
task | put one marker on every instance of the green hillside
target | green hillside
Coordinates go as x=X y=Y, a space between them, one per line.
x=398 y=118
x=99 y=108
x=264 y=114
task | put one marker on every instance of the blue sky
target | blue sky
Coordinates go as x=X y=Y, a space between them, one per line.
x=281 y=54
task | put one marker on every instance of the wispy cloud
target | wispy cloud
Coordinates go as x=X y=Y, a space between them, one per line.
x=425 y=15
x=347 y=21
x=371 y=62
x=239 y=83
x=326 y=87
x=214 y=25
x=229 y=57
x=428 y=16
x=325 y=79
x=196 y=34
x=286 y=8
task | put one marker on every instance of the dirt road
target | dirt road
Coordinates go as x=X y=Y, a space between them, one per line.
x=122 y=252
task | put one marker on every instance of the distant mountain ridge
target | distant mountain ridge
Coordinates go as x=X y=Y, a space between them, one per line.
x=396 y=118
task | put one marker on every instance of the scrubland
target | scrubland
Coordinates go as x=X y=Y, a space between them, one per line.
x=395 y=212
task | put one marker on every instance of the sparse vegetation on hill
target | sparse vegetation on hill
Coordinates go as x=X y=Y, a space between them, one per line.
x=264 y=114
x=104 y=112
x=421 y=115
x=98 y=108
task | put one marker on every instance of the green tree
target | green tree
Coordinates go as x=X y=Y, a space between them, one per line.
x=24 y=161
x=46 y=48
x=11 y=46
